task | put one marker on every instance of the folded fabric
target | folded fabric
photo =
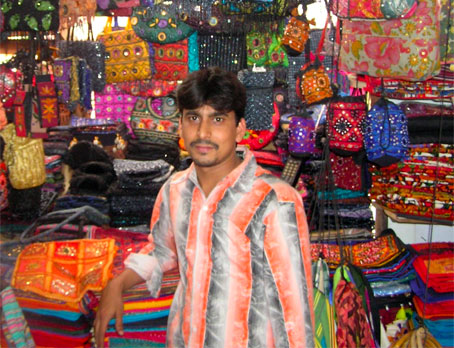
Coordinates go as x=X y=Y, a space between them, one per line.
x=442 y=310
x=428 y=294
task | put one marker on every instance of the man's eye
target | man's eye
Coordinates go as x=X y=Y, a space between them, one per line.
x=193 y=118
x=218 y=119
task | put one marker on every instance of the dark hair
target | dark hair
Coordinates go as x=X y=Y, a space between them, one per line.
x=215 y=87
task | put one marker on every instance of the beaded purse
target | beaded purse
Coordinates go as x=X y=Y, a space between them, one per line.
x=345 y=120
x=156 y=120
x=171 y=61
x=159 y=23
x=259 y=98
x=301 y=135
x=386 y=136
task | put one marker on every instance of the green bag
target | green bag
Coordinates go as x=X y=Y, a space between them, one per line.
x=159 y=24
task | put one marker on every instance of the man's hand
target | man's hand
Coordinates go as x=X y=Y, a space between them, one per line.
x=111 y=304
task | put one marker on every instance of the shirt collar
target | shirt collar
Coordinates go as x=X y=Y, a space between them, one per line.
x=248 y=162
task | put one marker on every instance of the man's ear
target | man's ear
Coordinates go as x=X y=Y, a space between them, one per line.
x=240 y=130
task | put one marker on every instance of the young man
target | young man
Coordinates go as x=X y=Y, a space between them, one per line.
x=237 y=234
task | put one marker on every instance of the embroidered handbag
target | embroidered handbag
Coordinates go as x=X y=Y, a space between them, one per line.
x=159 y=23
x=264 y=49
x=301 y=135
x=345 y=124
x=381 y=49
x=47 y=101
x=386 y=137
x=171 y=60
x=376 y=9
x=24 y=158
x=127 y=55
x=259 y=98
x=31 y=15
x=296 y=33
x=156 y=120
x=62 y=78
x=65 y=270
x=313 y=84
x=115 y=105
x=347 y=174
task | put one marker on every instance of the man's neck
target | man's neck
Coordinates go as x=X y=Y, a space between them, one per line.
x=209 y=177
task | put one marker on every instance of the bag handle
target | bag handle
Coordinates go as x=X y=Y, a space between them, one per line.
x=108 y=27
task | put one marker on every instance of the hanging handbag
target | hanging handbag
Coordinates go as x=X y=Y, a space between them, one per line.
x=31 y=15
x=259 y=98
x=171 y=60
x=296 y=33
x=156 y=120
x=376 y=9
x=263 y=48
x=313 y=84
x=406 y=49
x=24 y=158
x=127 y=55
x=386 y=137
x=159 y=23
x=345 y=120
x=227 y=51
x=301 y=135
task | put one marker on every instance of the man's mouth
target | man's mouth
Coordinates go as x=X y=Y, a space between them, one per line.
x=204 y=146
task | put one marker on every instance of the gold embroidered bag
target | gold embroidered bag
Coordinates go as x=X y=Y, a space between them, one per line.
x=127 y=55
x=24 y=159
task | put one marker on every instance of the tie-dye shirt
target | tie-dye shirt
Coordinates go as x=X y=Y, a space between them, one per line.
x=244 y=259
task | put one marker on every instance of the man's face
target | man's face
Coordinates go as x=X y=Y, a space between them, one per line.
x=210 y=136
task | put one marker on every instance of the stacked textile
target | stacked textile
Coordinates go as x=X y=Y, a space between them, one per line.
x=144 y=321
x=54 y=176
x=433 y=289
x=65 y=324
x=133 y=196
x=422 y=185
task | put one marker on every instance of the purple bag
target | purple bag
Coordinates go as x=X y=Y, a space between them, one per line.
x=301 y=136
x=115 y=105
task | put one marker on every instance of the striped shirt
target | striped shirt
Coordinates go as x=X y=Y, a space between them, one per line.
x=244 y=259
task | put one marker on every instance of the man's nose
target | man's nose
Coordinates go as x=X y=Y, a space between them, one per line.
x=204 y=129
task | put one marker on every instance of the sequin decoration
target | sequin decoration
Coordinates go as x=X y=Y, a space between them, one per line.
x=65 y=270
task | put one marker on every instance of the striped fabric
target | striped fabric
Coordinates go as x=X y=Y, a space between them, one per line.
x=14 y=325
x=244 y=260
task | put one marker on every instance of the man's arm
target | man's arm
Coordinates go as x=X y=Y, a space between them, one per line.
x=287 y=269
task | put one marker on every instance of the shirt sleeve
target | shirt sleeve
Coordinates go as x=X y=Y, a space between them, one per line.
x=159 y=255
x=287 y=271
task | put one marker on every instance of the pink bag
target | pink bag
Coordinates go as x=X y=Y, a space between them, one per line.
x=114 y=105
x=406 y=49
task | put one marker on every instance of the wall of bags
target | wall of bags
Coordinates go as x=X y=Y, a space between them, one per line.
x=356 y=112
